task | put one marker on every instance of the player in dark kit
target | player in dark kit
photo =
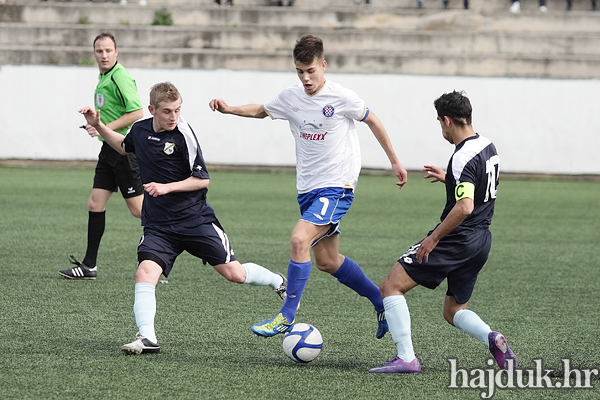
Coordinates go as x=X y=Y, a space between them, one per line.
x=175 y=214
x=457 y=248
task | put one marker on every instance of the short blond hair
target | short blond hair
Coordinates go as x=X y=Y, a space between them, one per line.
x=164 y=91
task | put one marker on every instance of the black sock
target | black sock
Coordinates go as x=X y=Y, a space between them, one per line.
x=96 y=224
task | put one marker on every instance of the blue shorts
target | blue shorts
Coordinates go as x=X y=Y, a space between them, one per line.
x=325 y=206
x=162 y=244
x=459 y=257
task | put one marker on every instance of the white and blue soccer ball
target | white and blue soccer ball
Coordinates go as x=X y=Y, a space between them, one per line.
x=303 y=343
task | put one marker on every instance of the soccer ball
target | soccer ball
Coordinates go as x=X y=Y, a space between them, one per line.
x=303 y=343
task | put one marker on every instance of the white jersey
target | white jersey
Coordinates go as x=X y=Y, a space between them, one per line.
x=327 y=149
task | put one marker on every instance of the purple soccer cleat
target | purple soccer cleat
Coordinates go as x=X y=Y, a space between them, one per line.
x=500 y=350
x=398 y=366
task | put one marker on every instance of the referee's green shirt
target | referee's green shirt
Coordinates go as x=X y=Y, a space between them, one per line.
x=116 y=94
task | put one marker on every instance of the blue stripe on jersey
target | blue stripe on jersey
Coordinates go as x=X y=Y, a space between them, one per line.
x=366 y=115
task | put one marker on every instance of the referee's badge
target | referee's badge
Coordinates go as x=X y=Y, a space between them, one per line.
x=99 y=100
x=328 y=110
x=169 y=148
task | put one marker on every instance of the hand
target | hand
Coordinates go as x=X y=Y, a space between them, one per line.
x=434 y=173
x=156 y=189
x=426 y=246
x=401 y=174
x=219 y=105
x=91 y=116
x=90 y=130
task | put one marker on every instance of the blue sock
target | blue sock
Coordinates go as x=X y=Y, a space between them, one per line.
x=144 y=308
x=470 y=323
x=297 y=277
x=351 y=275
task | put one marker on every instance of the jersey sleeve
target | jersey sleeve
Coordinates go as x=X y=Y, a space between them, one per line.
x=355 y=106
x=276 y=108
x=128 y=144
x=127 y=89
x=199 y=168
x=193 y=150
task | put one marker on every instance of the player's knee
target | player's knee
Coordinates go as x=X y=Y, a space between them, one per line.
x=299 y=244
x=386 y=288
x=233 y=272
x=328 y=267
x=135 y=206
x=95 y=206
x=449 y=316
x=236 y=277
x=136 y=212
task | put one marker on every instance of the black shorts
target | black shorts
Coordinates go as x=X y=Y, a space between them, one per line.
x=116 y=171
x=162 y=244
x=459 y=257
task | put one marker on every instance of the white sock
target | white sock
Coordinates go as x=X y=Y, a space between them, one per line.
x=257 y=275
x=144 y=308
x=470 y=323
x=398 y=319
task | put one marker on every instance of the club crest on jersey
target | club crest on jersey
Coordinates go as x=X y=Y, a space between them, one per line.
x=328 y=111
x=169 y=148
x=99 y=100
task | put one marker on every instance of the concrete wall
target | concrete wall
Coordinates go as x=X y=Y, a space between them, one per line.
x=538 y=125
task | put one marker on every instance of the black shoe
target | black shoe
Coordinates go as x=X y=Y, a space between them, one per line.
x=80 y=271
x=282 y=289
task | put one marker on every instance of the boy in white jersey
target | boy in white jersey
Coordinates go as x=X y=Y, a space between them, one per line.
x=321 y=115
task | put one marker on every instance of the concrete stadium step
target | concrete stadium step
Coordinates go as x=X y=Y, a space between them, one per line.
x=359 y=38
x=368 y=18
x=551 y=45
x=347 y=62
x=388 y=5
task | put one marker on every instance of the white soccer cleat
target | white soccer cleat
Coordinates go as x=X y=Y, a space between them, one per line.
x=141 y=345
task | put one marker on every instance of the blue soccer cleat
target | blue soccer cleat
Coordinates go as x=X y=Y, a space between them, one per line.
x=382 y=325
x=271 y=327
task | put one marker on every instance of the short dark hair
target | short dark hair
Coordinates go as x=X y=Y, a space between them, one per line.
x=105 y=35
x=308 y=48
x=164 y=91
x=456 y=106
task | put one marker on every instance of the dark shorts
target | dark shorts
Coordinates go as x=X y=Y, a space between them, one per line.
x=162 y=244
x=116 y=171
x=458 y=257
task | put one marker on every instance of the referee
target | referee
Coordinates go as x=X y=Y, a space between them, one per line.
x=117 y=97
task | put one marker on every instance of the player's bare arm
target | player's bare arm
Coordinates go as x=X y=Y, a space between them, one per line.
x=125 y=120
x=248 y=110
x=384 y=141
x=114 y=139
x=461 y=210
x=187 y=185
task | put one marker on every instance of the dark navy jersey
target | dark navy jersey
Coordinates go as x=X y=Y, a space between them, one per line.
x=475 y=161
x=166 y=157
